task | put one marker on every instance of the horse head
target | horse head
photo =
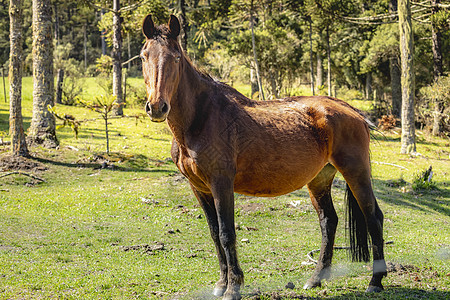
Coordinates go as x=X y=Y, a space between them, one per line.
x=161 y=67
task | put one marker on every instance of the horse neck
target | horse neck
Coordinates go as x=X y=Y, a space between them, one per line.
x=191 y=87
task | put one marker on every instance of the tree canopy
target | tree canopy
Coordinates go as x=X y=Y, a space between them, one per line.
x=354 y=41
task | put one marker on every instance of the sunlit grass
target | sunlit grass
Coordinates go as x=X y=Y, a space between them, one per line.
x=65 y=238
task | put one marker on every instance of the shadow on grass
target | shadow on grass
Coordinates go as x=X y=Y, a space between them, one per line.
x=134 y=167
x=435 y=199
x=396 y=293
x=379 y=136
x=389 y=293
x=4 y=121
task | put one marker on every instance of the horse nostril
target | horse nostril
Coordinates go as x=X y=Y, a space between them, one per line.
x=164 y=108
x=148 y=109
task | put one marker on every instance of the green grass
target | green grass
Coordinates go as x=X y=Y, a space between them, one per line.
x=65 y=238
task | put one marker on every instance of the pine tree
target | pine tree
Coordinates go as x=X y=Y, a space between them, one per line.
x=18 y=143
x=408 y=140
x=43 y=129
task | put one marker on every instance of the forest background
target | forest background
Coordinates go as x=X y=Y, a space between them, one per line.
x=77 y=222
x=348 y=49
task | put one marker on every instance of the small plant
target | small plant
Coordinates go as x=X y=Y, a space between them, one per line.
x=68 y=120
x=104 y=106
x=424 y=180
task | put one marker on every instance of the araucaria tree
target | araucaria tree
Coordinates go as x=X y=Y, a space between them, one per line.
x=117 y=58
x=42 y=130
x=18 y=143
x=408 y=140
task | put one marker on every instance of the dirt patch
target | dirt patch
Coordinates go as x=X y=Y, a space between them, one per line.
x=393 y=267
x=18 y=163
x=145 y=248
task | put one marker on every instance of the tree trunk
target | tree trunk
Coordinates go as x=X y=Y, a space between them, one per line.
x=103 y=38
x=311 y=66
x=56 y=33
x=129 y=54
x=408 y=140
x=4 y=86
x=184 y=25
x=253 y=83
x=396 y=87
x=395 y=73
x=329 y=62
x=369 y=90
x=261 y=91
x=319 y=75
x=436 y=36
x=85 y=46
x=18 y=143
x=117 y=59
x=59 y=85
x=43 y=129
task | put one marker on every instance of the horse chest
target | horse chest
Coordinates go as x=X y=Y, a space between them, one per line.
x=189 y=168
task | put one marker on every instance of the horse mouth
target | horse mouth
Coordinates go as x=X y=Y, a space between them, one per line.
x=158 y=120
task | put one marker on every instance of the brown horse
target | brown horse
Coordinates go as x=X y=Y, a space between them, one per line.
x=225 y=143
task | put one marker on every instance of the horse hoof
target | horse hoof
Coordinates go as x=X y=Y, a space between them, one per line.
x=219 y=291
x=312 y=284
x=232 y=297
x=232 y=294
x=374 y=289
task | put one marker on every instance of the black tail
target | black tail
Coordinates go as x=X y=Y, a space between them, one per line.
x=357 y=229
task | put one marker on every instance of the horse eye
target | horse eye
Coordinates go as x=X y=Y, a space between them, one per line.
x=177 y=58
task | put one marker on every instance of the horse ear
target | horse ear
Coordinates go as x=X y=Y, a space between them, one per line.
x=148 y=27
x=174 y=26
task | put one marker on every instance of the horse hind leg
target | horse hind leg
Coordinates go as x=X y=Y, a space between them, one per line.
x=362 y=202
x=320 y=193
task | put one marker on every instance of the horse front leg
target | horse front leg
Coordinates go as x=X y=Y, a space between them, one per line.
x=222 y=189
x=207 y=203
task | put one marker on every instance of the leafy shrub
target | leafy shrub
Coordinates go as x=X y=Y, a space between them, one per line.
x=424 y=180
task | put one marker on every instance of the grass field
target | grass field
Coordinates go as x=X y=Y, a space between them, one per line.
x=127 y=226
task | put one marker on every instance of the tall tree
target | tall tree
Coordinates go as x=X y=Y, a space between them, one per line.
x=18 y=143
x=319 y=72
x=43 y=129
x=311 y=65
x=328 y=61
x=184 y=24
x=438 y=71
x=408 y=139
x=255 y=57
x=395 y=74
x=117 y=58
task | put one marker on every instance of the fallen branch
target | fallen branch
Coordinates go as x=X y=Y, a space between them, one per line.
x=22 y=173
x=389 y=164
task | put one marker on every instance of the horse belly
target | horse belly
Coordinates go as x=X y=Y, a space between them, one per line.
x=274 y=175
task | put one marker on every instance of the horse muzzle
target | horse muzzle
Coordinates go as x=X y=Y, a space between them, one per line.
x=157 y=111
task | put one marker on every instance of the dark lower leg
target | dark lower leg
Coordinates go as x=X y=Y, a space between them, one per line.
x=207 y=203
x=375 y=227
x=235 y=275
x=328 y=222
x=320 y=193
